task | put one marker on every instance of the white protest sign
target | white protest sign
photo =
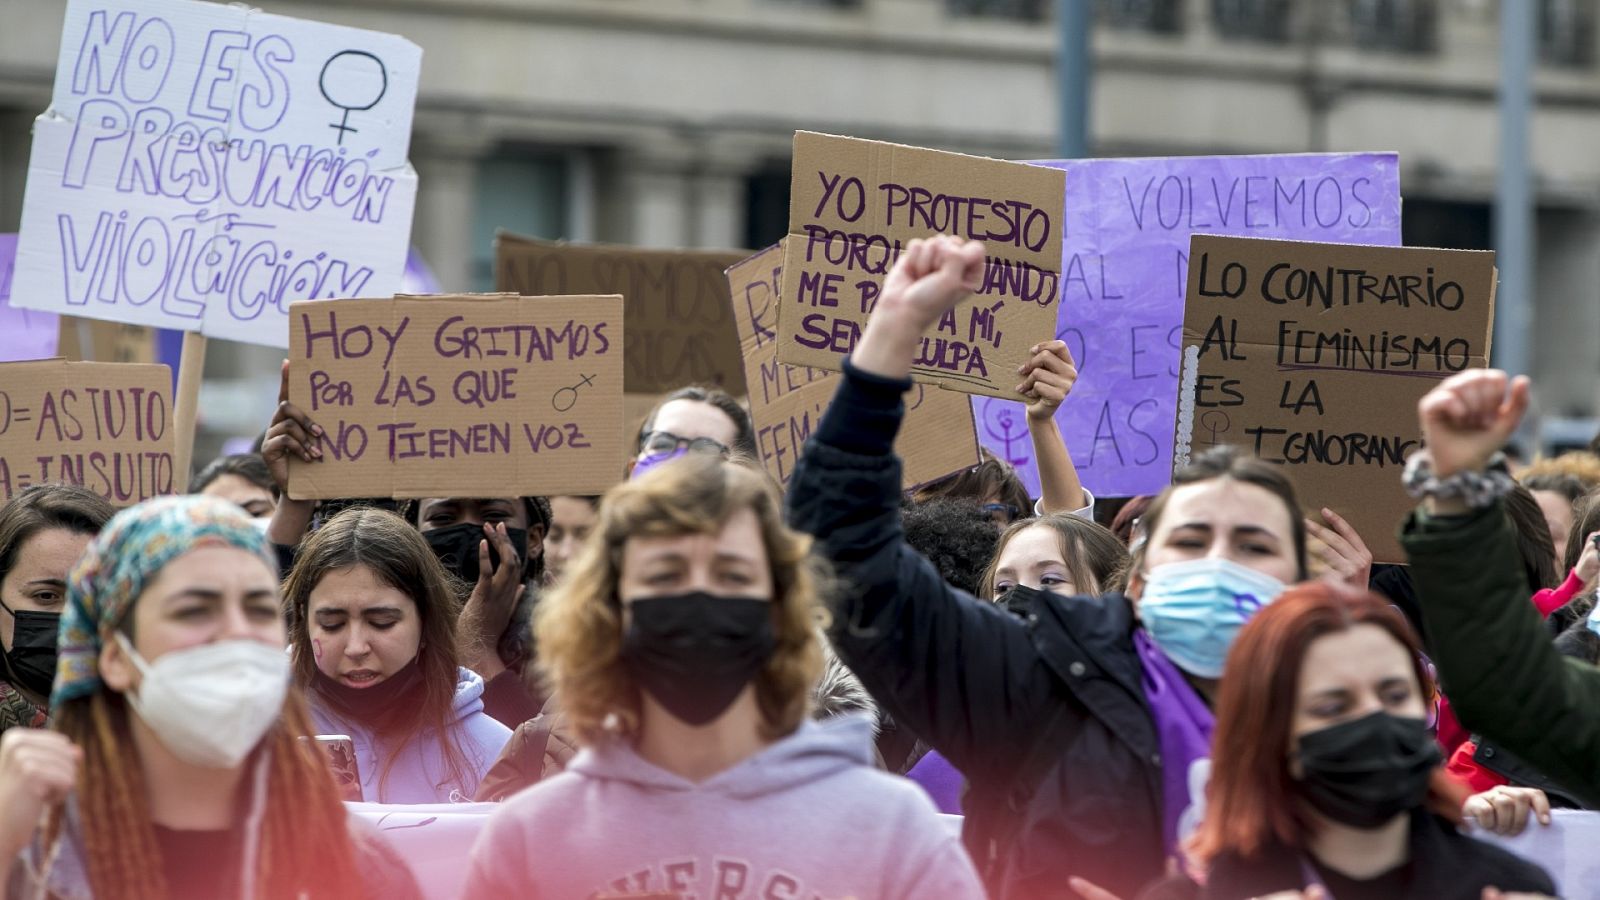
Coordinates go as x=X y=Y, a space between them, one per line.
x=201 y=166
x=435 y=839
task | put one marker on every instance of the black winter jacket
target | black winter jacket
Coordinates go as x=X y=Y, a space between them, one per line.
x=1045 y=717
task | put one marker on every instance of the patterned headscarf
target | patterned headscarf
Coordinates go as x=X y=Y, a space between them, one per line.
x=130 y=551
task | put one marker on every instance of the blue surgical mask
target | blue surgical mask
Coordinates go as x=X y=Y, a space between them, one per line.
x=1193 y=610
x=1594 y=619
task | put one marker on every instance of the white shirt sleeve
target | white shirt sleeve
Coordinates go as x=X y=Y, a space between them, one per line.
x=1087 y=512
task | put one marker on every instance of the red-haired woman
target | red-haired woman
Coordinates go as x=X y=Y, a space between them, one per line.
x=1323 y=771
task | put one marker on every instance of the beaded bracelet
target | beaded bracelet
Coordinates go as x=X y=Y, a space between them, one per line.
x=1476 y=489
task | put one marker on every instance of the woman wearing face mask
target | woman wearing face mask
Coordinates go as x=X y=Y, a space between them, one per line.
x=1081 y=732
x=179 y=765
x=1058 y=554
x=1325 y=774
x=373 y=620
x=496 y=546
x=43 y=531
x=683 y=645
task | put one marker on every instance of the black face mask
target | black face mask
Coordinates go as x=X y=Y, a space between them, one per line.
x=1365 y=772
x=695 y=652
x=1021 y=600
x=457 y=548
x=32 y=654
x=389 y=704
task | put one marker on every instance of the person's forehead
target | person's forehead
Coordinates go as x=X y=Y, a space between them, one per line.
x=468 y=505
x=739 y=536
x=50 y=550
x=1039 y=542
x=231 y=485
x=694 y=419
x=1361 y=655
x=355 y=588
x=1226 y=504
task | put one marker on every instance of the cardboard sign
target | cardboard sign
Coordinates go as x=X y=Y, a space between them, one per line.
x=1313 y=356
x=487 y=395
x=786 y=402
x=201 y=166
x=105 y=426
x=87 y=339
x=1123 y=271
x=676 y=302
x=24 y=334
x=857 y=203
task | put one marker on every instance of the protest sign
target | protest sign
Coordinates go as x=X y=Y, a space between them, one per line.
x=434 y=839
x=1124 y=262
x=856 y=203
x=459 y=396
x=24 y=334
x=105 y=426
x=786 y=402
x=675 y=301
x=203 y=165
x=1313 y=356
x=1564 y=848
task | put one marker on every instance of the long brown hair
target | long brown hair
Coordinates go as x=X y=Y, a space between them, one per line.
x=1252 y=799
x=578 y=626
x=397 y=554
x=305 y=848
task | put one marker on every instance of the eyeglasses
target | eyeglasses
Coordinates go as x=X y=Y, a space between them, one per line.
x=1001 y=511
x=666 y=442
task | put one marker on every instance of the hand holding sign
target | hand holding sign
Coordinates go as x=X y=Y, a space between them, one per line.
x=927 y=281
x=1047 y=379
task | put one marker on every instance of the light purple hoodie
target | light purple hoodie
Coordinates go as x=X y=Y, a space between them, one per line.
x=806 y=817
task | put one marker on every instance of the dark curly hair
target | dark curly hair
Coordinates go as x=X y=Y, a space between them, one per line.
x=955 y=535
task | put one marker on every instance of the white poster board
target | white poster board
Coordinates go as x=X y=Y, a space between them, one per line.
x=201 y=166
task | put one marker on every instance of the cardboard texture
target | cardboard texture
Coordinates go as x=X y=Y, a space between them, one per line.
x=87 y=339
x=1125 y=255
x=786 y=402
x=105 y=426
x=1314 y=356
x=676 y=303
x=202 y=165
x=459 y=396
x=856 y=203
x=24 y=333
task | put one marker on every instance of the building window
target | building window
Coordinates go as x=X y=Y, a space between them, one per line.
x=523 y=191
x=1024 y=10
x=1405 y=26
x=1156 y=16
x=1267 y=21
x=1566 y=32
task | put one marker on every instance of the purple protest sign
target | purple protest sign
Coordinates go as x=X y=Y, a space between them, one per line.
x=24 y=333
x=1123 y=271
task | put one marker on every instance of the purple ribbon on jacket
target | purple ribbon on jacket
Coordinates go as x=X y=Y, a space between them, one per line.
x=1183 y=726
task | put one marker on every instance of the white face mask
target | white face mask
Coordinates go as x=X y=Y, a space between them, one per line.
x=211 y=704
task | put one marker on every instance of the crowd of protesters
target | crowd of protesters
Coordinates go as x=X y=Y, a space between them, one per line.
x=702 y=685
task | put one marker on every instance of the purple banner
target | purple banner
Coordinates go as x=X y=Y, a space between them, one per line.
x=24 y=333
x=1123 y=270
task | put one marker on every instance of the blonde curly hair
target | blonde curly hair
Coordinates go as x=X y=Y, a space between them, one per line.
x=578 y=625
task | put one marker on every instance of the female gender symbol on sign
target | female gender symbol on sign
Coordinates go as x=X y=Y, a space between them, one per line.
x=1215 y=421
x=355 y=73
x=569 y=395
x=1000 y=421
